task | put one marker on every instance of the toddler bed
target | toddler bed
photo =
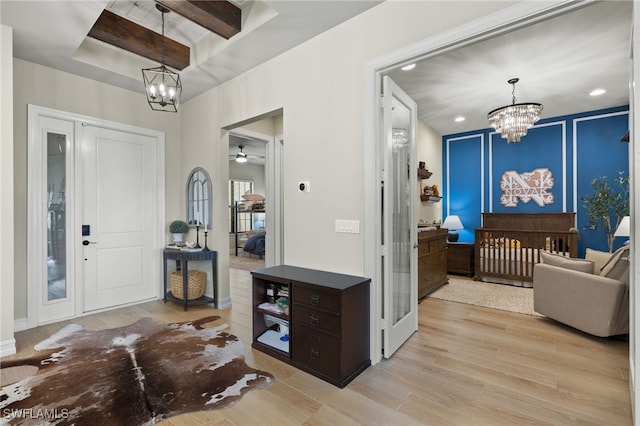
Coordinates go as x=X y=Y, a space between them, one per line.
x=508 y=245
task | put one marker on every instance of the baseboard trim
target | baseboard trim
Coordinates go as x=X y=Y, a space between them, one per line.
x=224 y=303
x=20 y=324
x=8 y=347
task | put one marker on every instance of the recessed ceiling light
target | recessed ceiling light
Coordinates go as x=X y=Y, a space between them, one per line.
x=459 y=119
x=597 y=92
x=408 y=67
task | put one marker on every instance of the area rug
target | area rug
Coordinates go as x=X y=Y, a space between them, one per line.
x=133 y=375
x=488 y=295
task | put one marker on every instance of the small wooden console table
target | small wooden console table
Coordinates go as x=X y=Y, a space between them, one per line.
x=182 y=259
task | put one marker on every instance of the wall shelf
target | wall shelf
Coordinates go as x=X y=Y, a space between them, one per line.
x=430 y=198
x=424 y=174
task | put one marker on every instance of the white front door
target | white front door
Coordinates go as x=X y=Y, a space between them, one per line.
x=118 y=217
x=102 y=184
x=399 y=224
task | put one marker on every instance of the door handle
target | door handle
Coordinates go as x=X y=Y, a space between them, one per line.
x=87 y=242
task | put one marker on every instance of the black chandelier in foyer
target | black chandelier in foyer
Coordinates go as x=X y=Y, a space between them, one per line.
x=162 y=86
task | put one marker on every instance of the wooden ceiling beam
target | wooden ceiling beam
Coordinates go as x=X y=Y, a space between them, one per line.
x=120 y=32
x=220 y=17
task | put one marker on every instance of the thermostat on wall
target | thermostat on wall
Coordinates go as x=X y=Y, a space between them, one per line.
x=304 y=186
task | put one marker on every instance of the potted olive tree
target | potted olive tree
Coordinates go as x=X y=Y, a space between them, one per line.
x=178 y=228
x=608 y=205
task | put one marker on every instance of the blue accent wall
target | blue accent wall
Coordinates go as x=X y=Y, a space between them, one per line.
x=575 y=148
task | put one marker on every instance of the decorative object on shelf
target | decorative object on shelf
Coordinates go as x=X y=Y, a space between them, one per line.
x=206 y=248
x=424 y=173
x=196 y=283
x=178 y=229
x=430 y=193
x=198 y=236
x=606 y=203
x=162 y=86
x=453 y=224
x=513 y=121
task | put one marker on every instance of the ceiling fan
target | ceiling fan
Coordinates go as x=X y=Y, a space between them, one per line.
x=243 y=157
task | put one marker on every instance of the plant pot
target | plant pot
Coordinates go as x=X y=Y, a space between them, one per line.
x=178 y=237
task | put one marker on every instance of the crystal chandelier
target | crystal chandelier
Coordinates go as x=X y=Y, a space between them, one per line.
x=513 y=121
x=162 y=86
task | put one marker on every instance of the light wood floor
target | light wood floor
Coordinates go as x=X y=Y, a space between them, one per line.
x=465 y=366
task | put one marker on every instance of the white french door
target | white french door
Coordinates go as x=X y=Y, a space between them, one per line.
x=399 y=224
x=95 y=217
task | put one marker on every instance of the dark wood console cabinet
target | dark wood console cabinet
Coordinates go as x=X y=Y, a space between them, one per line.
x=432 y=261
x=327 y=321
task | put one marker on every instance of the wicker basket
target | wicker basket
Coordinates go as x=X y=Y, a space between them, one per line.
x=195 y=285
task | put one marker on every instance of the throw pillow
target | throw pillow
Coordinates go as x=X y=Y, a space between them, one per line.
x=553 y=259
x=599 y=259
x=618 y=265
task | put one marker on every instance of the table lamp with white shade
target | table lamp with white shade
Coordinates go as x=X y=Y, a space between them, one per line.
x=452 y=223
x=624 y=228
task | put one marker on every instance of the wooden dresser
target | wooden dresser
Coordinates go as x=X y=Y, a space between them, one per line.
x=432 y=261
x=328 y=321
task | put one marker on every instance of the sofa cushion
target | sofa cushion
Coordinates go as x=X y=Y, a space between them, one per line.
x=553 y=259
x=599 y=259
x=618 y=265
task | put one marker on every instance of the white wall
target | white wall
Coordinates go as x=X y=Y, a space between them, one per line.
x=7 y=342
x=430 y=151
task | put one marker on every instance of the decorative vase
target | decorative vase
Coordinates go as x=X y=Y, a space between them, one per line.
x=178 y=237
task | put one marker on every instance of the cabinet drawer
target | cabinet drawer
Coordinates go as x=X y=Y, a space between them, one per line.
x=317 y=299
x=316 y=319
x=317 y=350
x=431 y=246
x=423 y=248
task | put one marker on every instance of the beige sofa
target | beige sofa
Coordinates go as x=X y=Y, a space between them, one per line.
x=589 y=294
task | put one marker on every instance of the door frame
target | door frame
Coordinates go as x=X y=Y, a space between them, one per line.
x=500 y=22
x=274 y=153
x=36 y=225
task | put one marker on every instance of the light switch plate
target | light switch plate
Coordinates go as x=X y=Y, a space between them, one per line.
x=347 y=226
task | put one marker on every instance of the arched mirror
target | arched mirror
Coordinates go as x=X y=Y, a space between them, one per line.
x=199 y=198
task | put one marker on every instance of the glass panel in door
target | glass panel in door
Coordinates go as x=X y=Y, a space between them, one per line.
x=401 y=237
x=56 y=217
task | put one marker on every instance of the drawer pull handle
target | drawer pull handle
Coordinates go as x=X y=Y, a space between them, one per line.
x=314 y=320
x=315 y=353
x=315 y=299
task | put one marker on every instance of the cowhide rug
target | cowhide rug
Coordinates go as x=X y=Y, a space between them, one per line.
x=133 y=375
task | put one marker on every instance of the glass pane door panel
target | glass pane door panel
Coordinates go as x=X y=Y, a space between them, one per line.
x=401 y=204
x=56 y=217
